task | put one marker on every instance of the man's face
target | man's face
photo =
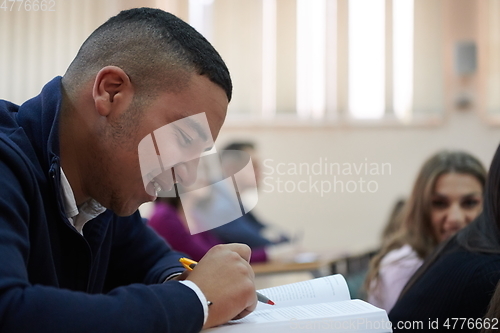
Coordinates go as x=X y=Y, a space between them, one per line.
x=121 y=187
x=172 y=152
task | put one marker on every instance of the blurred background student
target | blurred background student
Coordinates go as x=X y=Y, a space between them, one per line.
x=394 y=223
x=169 y=221
x=247 y=229
x=446 y=196
x=213 y=204
x=459 y=279
x=355 y=281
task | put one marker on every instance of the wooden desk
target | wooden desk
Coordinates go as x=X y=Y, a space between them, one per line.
x=316 y=268
x=285 y=270
x=326 y=264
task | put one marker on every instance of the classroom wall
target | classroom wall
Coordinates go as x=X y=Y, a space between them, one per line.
x=37 y=46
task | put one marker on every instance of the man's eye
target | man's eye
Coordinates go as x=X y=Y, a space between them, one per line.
x=186 y=139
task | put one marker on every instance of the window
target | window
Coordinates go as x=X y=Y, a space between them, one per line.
x=292 y=61
x=366 y=58
x=311 y=62
x=328 y=61
x=395 y=71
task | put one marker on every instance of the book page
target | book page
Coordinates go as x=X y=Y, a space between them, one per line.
x=351 y=315
x=324 y=289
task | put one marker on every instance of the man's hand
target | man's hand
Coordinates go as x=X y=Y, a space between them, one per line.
x=227 y=280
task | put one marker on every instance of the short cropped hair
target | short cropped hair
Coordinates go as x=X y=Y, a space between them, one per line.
x=155 y=48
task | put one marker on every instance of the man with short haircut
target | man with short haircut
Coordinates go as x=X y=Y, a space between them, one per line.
x=74 y=253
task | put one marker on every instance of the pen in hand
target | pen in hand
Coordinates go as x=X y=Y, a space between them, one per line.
x=190 y=264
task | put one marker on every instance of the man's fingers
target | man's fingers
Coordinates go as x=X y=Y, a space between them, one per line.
x=242 y=249
x=242 y=314
x=249 y=309
x=226 y=278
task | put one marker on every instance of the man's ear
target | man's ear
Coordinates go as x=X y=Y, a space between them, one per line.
x=112 y=92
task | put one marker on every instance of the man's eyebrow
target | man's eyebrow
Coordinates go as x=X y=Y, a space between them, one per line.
x=198 y=128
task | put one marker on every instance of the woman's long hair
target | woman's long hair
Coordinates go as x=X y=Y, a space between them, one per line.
x=484 y=235
x=416 y=227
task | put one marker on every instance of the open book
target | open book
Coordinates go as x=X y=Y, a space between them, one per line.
x=318 y=305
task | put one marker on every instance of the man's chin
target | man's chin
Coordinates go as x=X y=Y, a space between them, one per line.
x=126 y=210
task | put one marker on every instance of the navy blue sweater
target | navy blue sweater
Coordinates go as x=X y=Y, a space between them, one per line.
x=53 y=279
x=458 y=285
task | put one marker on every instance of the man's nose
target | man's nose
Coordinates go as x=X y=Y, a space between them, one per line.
x=186 y=173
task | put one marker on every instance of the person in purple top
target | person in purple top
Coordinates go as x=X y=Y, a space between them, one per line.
x=169 y=222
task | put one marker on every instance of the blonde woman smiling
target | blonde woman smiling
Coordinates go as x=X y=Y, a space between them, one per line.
x=447 y=196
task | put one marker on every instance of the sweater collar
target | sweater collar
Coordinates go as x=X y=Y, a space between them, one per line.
x=39 y=118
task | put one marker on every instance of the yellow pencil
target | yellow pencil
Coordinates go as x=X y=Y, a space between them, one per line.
x=188 y=263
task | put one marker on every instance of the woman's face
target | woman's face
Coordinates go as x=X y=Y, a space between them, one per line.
x=457 y=199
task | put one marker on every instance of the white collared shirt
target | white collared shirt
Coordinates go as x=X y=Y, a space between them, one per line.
x=89 y=210
x=78 y=216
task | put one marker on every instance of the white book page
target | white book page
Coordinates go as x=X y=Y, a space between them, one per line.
x=311 y=311
x=325 y=289
x=355 y=315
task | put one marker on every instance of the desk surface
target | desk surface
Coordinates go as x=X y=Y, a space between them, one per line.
x=288 y=267
x=320 y=266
